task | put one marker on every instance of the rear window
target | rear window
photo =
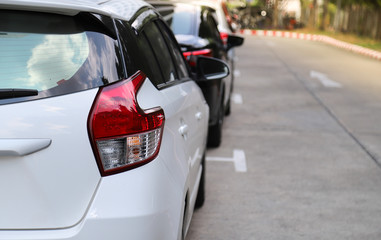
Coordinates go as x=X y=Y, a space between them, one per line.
x=54 y=54
x=40 y=61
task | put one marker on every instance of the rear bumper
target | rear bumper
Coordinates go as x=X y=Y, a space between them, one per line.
x=144 y=203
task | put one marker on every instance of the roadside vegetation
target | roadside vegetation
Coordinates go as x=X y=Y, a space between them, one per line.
x=354 y=21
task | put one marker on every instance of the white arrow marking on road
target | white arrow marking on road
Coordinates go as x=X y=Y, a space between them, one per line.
x=239 y=160
x=325 y=80
x=237 y=98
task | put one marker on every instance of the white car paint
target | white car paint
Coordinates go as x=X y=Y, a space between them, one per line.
x=51 y=188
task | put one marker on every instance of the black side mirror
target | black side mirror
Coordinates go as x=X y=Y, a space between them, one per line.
x=211 y=68
x=234 y=41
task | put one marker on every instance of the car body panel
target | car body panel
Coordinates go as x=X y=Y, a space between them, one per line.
x=115 y=213
x=183 y=107
x=53 y=187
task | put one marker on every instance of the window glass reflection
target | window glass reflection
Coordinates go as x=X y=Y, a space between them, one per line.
x=40 y=61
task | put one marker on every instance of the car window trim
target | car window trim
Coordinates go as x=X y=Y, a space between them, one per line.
x=124 y=62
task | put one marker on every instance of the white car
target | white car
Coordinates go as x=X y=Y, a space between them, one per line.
x=103 y=130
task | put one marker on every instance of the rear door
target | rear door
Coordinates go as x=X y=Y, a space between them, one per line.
x=197 y=120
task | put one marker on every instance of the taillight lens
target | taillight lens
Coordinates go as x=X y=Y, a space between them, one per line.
x=123 y=135
x=191 y=56
x=224 y=37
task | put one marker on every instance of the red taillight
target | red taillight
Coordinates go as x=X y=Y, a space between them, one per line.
x=203 y=52
x=122 y=134
x=224 y=37
x=190 y=56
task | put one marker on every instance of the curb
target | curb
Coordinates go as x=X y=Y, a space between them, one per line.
x=313 y=37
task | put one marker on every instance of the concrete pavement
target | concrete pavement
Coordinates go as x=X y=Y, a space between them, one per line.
x=306 y=178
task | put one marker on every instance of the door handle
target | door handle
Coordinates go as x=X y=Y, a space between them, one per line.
x=22 y=147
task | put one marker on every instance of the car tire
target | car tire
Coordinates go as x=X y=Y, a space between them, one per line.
x=215 y=131
x=201 y=187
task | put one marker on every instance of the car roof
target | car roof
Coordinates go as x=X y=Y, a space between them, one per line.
x=122 y=9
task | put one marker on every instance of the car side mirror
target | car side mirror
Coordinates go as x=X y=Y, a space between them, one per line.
x=234 y=41
x=208 y=68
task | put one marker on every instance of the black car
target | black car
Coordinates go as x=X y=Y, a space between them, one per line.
x=195 y=27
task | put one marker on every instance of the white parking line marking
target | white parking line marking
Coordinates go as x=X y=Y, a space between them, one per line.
x=237 y=98
x=325 y=80
x=239 y=160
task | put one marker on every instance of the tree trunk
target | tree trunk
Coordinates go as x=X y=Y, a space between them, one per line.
x=379 y=24
x=302 y=12
x=312 y=20
x=372 y=23
x=352 y=18
x=275 y=15
x=337 y=16
x=324 y=16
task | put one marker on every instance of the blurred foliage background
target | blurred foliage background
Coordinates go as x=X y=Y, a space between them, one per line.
x=356 y=21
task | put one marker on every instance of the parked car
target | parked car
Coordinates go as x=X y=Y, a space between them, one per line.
x=226 y=27
x=195 y=27
x=103 y=130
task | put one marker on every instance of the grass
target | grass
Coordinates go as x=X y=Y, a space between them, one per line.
x=350 y=38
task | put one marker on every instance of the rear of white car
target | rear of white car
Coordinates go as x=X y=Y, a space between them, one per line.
x=89 y=149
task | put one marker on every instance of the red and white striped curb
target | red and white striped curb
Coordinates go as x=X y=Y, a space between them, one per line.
x=313 y=37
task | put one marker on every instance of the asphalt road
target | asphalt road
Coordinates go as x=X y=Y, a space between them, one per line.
x=301 y=151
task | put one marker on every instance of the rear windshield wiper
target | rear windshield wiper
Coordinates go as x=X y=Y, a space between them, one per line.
x=6 y=93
